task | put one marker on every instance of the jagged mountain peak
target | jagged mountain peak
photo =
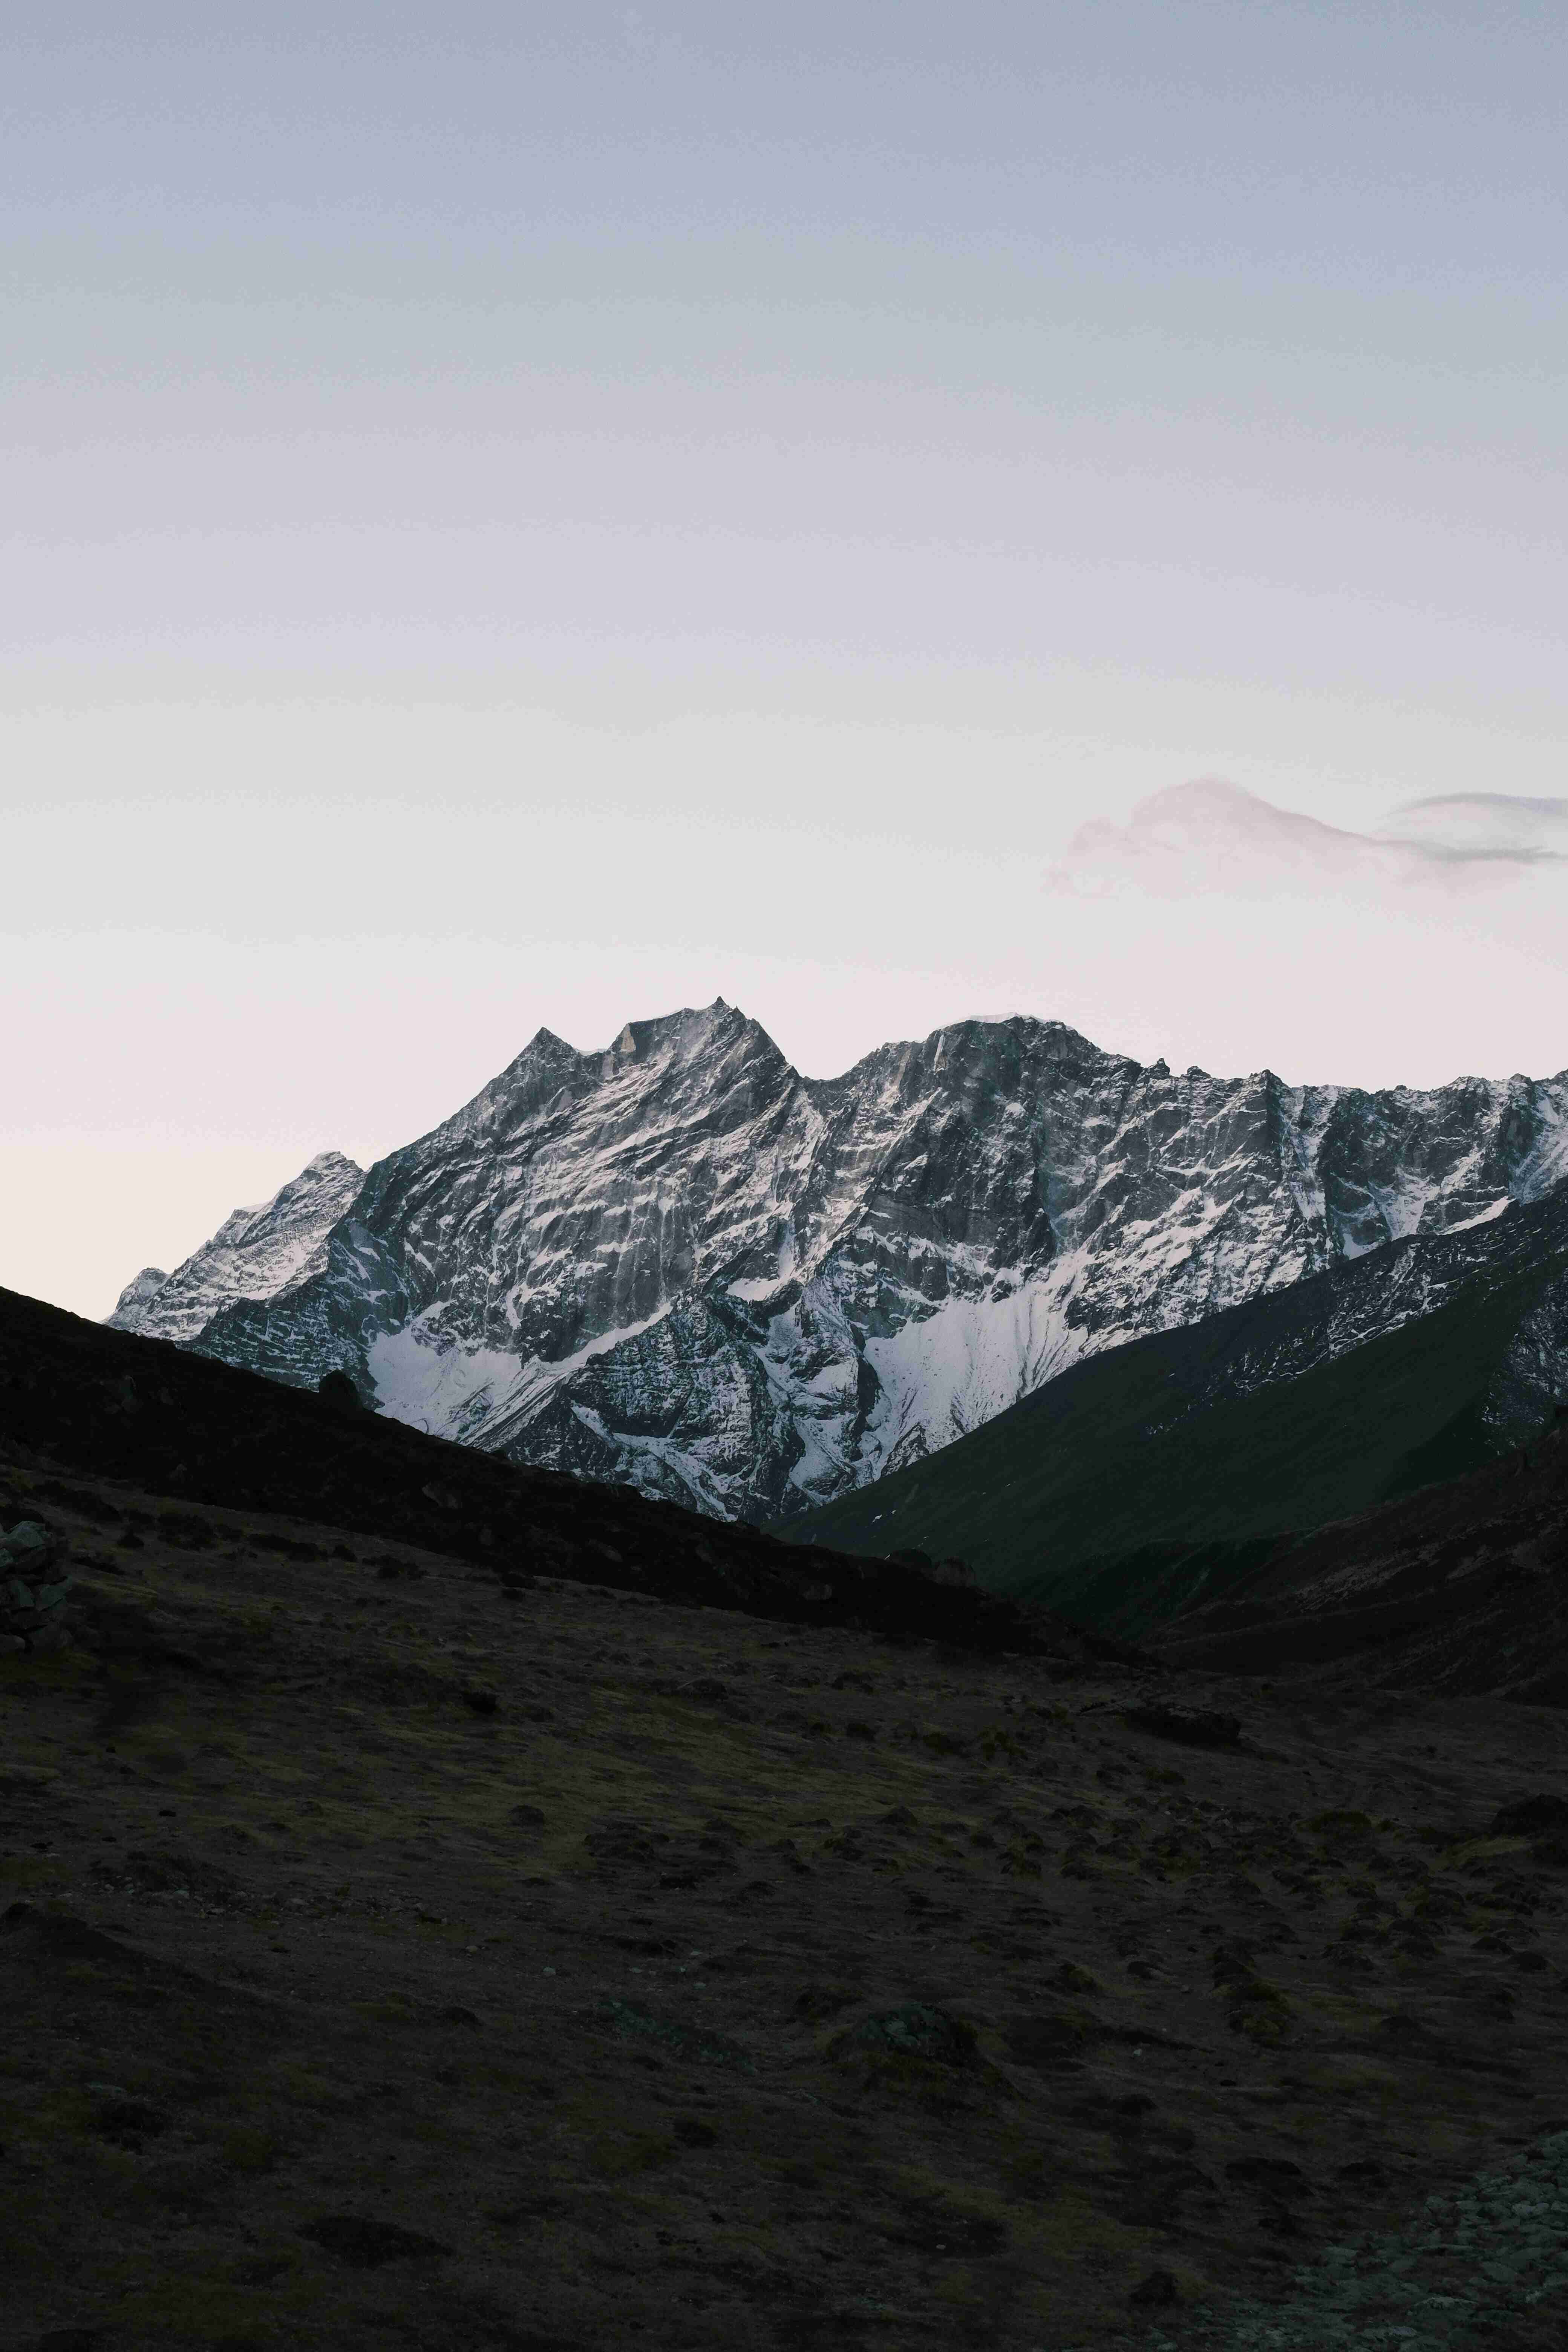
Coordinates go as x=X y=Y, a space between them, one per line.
x=544 y=1046
x=687 y=1035
x=257 y=1254
x=686 y=1029
x=983 y=1048
x=549 y=1076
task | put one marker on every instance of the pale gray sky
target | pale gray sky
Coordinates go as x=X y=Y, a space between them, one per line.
x=529 y=514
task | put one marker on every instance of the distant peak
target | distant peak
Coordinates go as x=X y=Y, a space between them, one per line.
x=136 y=1297
x=637 y=1038
x=149 y=1279
x=543 y=1051
x=1059 y=1033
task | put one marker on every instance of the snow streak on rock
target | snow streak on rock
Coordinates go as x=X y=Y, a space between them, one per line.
x=677 y=1263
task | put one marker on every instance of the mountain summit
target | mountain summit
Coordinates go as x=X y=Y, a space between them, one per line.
x=677 y=1262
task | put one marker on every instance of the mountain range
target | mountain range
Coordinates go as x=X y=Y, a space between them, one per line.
x=678 y=1264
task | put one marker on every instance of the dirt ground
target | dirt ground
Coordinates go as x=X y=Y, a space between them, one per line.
x=391 y=1958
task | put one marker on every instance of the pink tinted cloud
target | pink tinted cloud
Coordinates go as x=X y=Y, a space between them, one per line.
x=1211 y=836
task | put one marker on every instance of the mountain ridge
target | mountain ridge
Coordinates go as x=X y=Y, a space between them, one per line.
x=676 y=1262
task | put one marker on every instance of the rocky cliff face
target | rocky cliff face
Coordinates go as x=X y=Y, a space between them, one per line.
x=678 y=1264
x=255 y=1254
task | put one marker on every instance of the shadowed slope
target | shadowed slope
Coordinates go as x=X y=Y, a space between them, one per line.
x=1147 y=1451
x=75 y=1394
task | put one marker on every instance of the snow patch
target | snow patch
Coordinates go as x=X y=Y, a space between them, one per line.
x=971 y=1360
x=1482 y=1217
x=449 y=1389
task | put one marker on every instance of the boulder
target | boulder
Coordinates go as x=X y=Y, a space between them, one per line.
x=28 y=1549
x=33 y=1589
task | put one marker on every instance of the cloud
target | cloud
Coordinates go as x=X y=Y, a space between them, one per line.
x=1461 y=824
x=1212 y=836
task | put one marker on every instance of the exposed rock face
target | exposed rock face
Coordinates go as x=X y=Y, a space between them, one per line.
x=1529 y=1390
x=678 y=1264
x=255 y=1254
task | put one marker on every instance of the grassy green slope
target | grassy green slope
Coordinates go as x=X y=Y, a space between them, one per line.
x=1094 y=1494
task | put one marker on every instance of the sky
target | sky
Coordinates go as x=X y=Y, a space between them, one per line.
x=523 y=516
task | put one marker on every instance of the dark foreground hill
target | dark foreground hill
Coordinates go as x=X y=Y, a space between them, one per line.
x=121 y=1406
x=1461 y=1587
x=412 y=1940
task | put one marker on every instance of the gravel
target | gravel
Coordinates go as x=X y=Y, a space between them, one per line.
x=1466 y=2266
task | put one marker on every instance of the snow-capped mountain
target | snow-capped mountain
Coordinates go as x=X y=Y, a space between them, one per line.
x=680 y=1264
x=254 y=1254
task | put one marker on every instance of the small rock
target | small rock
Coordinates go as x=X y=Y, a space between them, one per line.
x=1071 y=1977
x=822 y=2001
x=1155 y=2291
x=366 y=2244
x=128 y=2122
x=1532 y=1817
x=1190 y=1727
x=914 y=2030
x=1402 y=2032
x=1046 y=2041
x=1276 y=2173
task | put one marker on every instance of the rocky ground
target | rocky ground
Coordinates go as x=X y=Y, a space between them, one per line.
x=1487 y=2265
x=398 y=1956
